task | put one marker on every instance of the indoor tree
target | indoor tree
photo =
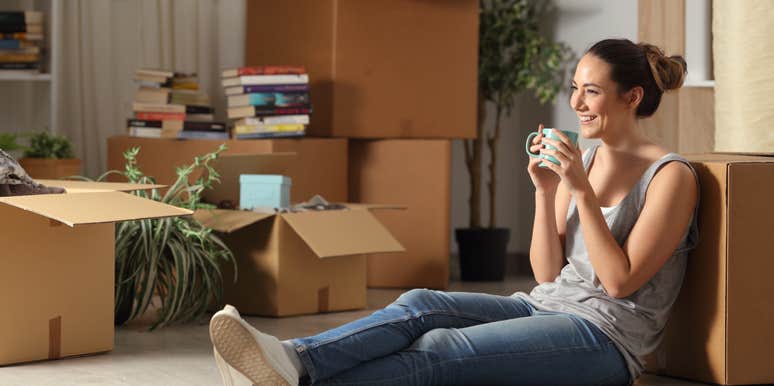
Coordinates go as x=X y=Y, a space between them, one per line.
x=514 y=56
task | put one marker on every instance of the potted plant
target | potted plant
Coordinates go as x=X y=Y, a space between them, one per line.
x=173 y=262
x=513 y=57
x=49 y=156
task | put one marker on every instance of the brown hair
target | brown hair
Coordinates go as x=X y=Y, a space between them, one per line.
x=643 y=65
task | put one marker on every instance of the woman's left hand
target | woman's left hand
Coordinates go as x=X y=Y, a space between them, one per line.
x=569 y=155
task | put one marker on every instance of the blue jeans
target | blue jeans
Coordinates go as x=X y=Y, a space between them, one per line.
x=454 y=338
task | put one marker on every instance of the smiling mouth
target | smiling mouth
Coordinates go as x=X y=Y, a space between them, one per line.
x=586 y=119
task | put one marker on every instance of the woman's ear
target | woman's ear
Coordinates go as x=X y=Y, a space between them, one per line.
x=634 y=96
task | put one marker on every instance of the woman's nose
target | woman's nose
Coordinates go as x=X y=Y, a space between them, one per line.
x=576 y=101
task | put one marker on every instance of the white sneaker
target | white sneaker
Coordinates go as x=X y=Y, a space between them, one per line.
x=254 y=356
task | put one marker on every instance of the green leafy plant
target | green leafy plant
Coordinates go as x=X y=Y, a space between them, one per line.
x=8 y=142
x=176 y=258
x=513 y=57
x=46 y=145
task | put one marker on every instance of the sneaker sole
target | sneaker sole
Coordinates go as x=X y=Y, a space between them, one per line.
x=240 y=350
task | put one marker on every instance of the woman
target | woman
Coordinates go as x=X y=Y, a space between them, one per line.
x=611 y=233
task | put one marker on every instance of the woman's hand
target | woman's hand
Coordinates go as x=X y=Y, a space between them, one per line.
x=569 y=155
x=544 y=179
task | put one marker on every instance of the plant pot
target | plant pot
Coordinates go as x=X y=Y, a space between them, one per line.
x=51 y=168
x=123 y=309
x=482 y=253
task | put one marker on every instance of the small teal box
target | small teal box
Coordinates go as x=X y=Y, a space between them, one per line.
x=264 y=190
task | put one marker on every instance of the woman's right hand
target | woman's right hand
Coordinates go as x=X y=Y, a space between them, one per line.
x=544 y=179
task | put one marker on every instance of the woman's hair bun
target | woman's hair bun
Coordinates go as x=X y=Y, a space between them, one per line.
x=668 y=71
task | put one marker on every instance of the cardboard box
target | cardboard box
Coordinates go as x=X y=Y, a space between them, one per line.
x=320 y=165
x=298 y=263
x=720 y=327
x=57 y=268
x=415 y=174
x=377 y=68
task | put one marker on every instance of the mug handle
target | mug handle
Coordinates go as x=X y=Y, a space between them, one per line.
x=529 y=142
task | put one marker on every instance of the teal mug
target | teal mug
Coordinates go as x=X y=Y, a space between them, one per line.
x=547 y=132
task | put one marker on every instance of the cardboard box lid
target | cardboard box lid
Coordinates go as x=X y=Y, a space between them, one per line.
x=73 y=186
x=231 y=166
x=228 y=221
x=342 y=232
x=726 y=158
x=327 y=233
x=93 y=207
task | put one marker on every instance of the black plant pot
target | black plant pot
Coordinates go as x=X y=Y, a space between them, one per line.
x=123 y=309
x=482 y=253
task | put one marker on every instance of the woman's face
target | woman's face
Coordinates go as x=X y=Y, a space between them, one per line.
x=596 y=100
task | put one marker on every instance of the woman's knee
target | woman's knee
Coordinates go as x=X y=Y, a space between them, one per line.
x=418 y=298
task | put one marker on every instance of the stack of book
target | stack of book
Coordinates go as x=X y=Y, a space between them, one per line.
x=267 y=101
x=170 y=105
x=21 y=33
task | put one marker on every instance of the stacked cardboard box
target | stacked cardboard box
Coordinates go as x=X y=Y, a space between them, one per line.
x=399 y=79
x=720 y=327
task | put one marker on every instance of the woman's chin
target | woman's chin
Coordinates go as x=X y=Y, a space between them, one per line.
x=588 y=131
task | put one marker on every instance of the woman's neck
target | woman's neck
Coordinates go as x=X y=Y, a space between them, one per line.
x=625 y=139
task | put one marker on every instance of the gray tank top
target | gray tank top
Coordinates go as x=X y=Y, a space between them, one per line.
x=634 y=323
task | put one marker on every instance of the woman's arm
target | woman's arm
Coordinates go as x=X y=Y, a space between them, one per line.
x=671 y=198
x=546 y=252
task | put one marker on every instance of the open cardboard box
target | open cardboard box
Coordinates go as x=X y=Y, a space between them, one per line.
x=57 y=267
x=293 y=263
x=720 y=329
x=299 y=263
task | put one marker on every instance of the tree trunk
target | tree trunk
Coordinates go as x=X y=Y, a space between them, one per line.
x=473 y=150
x=492 y=143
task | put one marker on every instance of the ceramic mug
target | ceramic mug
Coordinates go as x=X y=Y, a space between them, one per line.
x=549 y=133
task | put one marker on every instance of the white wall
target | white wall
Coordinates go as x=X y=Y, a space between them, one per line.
x=579 y=24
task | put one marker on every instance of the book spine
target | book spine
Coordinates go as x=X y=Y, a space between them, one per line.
x=278 y=120
x=272 y=70
x=12 y=18
x=19 y=66
x=202 y=135
x=16 y=44
x=143 y=123
x=20 y=36
x=276 y=88
x=15 y=28
x=249 y=129
x=197 y=109
x=146 y=132
x=157 y=116
x=270 y=134
x=158 y=108
x=261 y=111
x=204 y=126
x=248 y=80
x=19 y=57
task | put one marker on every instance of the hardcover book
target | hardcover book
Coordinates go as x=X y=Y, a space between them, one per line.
x=247 y=80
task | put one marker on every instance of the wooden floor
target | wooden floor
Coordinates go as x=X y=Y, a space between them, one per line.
x=182 y=355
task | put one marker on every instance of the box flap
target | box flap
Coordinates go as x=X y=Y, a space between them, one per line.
x=228 y=221
x=230 y=167
x=726 y=158
x=342 y=232
x=93 y=207
x=376 y=206
x=73 y=186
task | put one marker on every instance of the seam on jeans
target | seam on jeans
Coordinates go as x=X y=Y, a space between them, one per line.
x=406 y=318
x=479 y=358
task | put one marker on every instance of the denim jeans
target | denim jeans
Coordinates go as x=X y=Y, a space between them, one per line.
x=431 y=337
